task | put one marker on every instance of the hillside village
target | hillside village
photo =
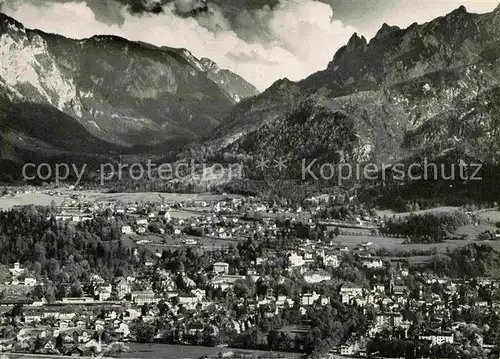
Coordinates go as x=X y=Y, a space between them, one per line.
x=345 y=205
x=278 y=276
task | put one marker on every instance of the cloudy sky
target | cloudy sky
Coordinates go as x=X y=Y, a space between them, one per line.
x=262 y=40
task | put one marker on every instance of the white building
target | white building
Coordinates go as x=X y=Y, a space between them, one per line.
x=104 y=292
x=317 y=277
x=372 y=263
x=141 y=230
x=199 y=293
x=438 y=339
x=30 y=281
x=17 y=270
x=348 y=292
x=221 y=268
x=123 y=288
x=144 y=297
x=187 y=299
x=309 y=298
x=331 y=261
x=123 y=329
x=296 y=260
x=165 y=215
x=390 y=319
x=127 y=230
x=282 y=300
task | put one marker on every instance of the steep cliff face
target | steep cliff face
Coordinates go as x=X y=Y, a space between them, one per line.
x=395 y=55
x=122 y=92
x=426 y=90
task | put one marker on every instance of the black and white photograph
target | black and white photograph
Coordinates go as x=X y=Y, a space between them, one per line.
x=250 y=179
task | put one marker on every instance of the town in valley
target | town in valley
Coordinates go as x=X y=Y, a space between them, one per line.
x=91 y=274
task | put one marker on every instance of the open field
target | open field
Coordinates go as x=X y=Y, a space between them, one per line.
x=410 y=260
x=151 y=196
x=43 y=199
x=390 y=213
x=153 y=351
x=157 y=243
x=42 y=356
x=487 y=217
x=396 y=244
x=36 y=198
x=348 y=230
x=183 y=214
x=471 y=231
x=490 y=215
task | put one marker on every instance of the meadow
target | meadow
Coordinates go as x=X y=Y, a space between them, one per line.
x=160 y=351
x=41 y=198
x=35 y=198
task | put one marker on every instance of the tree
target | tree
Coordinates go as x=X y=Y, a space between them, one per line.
x=38 y=292
x=76 y=289
x=17 y=310
x=59 y=342
x=209 y=340
x=143 y=332
x=61 y=291
x=53 y=206
x=241 y=289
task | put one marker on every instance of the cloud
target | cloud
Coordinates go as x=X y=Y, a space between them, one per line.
x=292 y=39
x=190 y=6
x=251 y=58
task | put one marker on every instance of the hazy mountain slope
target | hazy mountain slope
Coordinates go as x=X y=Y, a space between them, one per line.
x=232 y=84
x=252 y=113
x=120 y=91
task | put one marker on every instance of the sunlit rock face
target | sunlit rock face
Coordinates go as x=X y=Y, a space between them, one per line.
x=122 y=92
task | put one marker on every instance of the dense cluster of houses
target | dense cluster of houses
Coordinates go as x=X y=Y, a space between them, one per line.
x=386 y=302
x=76 y=325
x=442 y=311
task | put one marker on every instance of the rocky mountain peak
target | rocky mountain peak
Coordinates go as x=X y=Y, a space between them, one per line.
x=232 y=84
x=496 y=11
x=385 y=31
x=282 y=82
x=6 y=23
x=281 y=85
x=460 y=10
x=356 y=42
x=347 y=53
x=429 y=89
x=457 y=15
x=119 y=91
x=209 y=65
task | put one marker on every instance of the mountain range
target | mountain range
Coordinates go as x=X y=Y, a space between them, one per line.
x=430 y=90
x=105 y=94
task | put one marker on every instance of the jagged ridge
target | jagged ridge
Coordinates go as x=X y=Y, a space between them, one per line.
x=424 y=90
